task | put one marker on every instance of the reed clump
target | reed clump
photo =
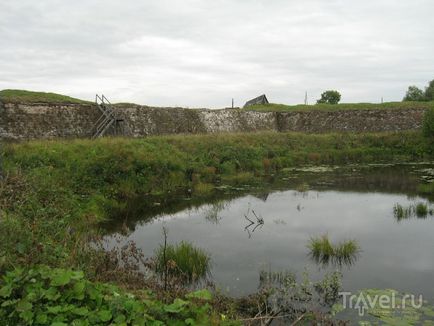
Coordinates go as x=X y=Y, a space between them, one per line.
x=183 y=260
x=323 y=251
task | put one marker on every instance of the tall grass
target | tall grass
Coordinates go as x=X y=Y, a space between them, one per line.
x=183 y=260
x=324 y=252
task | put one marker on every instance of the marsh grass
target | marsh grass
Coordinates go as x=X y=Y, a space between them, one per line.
x=183 y=260
x=419 y=210
x=324 y=252
x=400 y=212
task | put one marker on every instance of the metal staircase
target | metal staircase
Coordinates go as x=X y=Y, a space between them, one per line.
x=107 y=118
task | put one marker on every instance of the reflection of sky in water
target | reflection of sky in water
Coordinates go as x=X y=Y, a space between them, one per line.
x=394 y=255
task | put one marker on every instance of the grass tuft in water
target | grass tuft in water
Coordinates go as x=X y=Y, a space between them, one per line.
x=183 y=260
x=421 y=210
x=324 y=252
x=400 y=212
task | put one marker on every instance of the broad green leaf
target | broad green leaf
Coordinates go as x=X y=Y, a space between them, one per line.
x=52 y=294
x=54 y=310
x=82 y=311
x=41 y=319
x=24 y=305
x=104 y=315
x=176 y=306
x=27 y=316
x=120 y=319
x=61 y=278
x=5 y=291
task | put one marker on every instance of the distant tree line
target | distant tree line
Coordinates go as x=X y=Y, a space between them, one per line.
x=416 y=94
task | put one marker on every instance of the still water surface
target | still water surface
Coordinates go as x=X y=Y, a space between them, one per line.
x=357 y=205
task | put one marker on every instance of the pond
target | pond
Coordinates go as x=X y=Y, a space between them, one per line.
x=248 y=229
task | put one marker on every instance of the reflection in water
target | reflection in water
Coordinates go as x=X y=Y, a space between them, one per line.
x=212 y=215
x=253 y=225
x=289 y=298
x=344 y=204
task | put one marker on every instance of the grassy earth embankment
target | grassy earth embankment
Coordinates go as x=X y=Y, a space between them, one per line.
x=272 y=107
x=56 y=193
x=23 y=96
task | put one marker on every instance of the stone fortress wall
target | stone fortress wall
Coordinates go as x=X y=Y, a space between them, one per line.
x=23 y=121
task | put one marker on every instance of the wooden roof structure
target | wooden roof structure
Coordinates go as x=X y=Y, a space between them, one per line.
x=258 y=100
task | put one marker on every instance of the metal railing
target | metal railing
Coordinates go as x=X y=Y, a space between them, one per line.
x=107 y=118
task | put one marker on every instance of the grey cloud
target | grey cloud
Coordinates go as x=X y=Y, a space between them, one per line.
x=203 y=53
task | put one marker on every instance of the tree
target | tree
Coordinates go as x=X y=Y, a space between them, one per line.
x=330 y=97
x=414 y=94
x=429 y=91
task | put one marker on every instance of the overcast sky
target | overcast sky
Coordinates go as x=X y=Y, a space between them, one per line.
x=202 y=53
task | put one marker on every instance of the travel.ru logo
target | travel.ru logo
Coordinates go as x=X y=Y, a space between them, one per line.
x=365 y=301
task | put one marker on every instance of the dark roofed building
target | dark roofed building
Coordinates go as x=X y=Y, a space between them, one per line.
x=259 y=100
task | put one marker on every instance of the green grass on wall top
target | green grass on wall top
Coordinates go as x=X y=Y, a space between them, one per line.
x=23 y=96
x=339 y=107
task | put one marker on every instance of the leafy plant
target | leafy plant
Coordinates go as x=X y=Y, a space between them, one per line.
x=45 y=296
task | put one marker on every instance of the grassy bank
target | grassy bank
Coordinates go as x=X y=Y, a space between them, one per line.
x=23 y=96
x=55 y=194
x=56 y=184
x=339 y=107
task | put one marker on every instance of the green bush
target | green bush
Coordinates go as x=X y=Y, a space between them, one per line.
x=329 y=97
x=57 y=297
x=428 y=123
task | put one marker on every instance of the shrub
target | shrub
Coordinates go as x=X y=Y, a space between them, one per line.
x=414 y=94
x=329 y=97
x=428 y=123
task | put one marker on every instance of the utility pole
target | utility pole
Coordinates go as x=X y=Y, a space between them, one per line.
x=232 y=103
x=305 y=98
